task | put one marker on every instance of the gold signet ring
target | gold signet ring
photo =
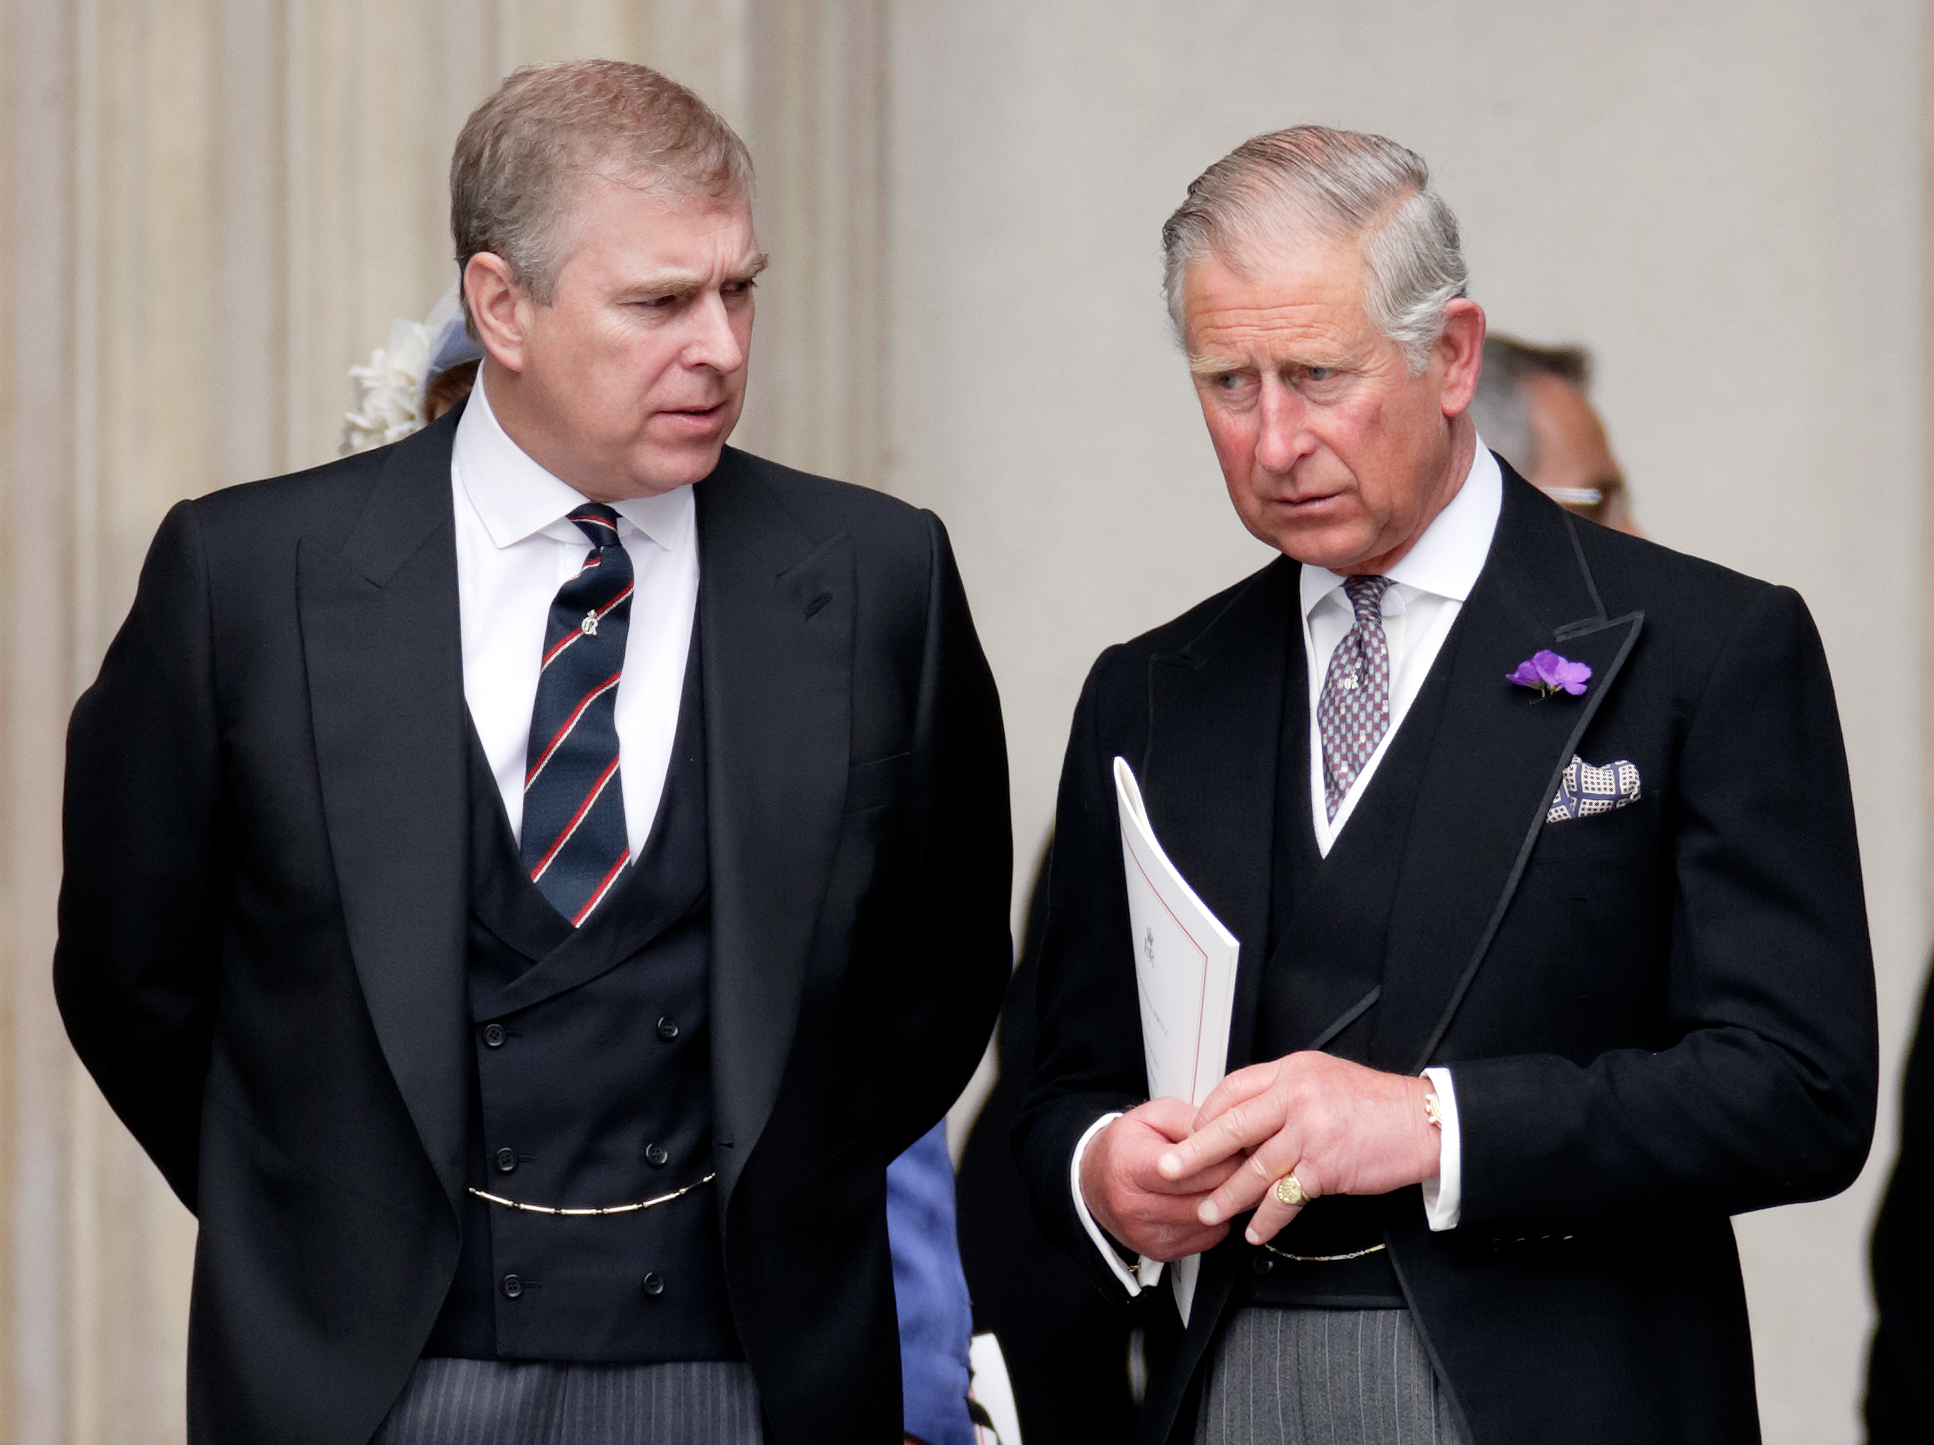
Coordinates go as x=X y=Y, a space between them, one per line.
x=1291 y=1192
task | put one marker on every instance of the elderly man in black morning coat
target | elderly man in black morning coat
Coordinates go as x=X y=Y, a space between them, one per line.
x=1538 y=843
x=525 y=883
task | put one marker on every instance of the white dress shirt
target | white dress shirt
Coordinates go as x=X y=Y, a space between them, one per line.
x=515 y=548
x=1427 y=591
x=1429 y=586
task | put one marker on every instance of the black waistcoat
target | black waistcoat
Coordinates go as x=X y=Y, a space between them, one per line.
x=1328 y=928
x=592 y=1087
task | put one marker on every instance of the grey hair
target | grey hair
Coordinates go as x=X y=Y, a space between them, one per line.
x=549 y=127
x=1340 y=185
x=1501 y=406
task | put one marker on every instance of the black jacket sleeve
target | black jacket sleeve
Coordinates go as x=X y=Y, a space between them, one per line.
x=135 y=968
x=946 y=981
x=1088 y=1054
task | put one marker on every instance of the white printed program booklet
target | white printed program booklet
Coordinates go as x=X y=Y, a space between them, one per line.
x=1185 y=973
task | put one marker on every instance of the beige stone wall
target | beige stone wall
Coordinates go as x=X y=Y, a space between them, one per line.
x=209 y=209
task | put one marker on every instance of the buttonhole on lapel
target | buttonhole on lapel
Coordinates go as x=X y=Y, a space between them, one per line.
x=818 y=602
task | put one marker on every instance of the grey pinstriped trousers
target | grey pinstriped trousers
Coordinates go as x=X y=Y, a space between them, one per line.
x=506 y=1402
x=1323 y=1377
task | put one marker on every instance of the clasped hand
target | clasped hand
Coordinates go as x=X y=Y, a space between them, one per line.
x=1165 y=1179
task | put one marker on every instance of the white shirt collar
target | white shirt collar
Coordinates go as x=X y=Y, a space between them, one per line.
x=515 y=498
x=1447 y=558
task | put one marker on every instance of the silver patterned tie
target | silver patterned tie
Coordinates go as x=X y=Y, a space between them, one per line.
x=1353 y=710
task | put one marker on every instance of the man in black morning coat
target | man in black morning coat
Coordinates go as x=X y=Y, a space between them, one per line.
x=374 y=1054
x=1556 y=815
x=1902 y=1258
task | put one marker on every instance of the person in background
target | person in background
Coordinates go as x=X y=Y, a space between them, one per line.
x=936 y=1319
x=1530 y=407
x=1898 y=1409
x=428 y=369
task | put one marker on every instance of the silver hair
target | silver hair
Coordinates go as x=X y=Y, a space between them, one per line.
x=526 y=149
x=1501 y=406
x=1338 y=185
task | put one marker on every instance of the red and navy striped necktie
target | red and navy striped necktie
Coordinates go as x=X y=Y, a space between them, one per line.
x=574 y=840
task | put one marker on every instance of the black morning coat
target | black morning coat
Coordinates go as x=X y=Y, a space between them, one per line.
x=1654 y=1018
x=263 y=917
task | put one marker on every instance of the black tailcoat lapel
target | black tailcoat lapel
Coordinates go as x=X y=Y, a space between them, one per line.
x=382 y=647
x=1209 y=780
x=776 y=617
x=1209 y=783
x=1494 y=765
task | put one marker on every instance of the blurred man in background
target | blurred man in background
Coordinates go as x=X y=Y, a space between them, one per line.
x=1531 y=409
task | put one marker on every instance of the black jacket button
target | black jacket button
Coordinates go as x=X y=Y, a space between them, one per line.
x=513 y=1286
x=657 y=1155
x=494 y=1036
x=506 y=1159
x=654 y=1284
x=1262 y=1264
x=668 y=1029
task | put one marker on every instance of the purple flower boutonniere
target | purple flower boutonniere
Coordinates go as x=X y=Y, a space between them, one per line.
x=1548 y=673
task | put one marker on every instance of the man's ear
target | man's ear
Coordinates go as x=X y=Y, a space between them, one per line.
x=1460 y=351
x=498 y=308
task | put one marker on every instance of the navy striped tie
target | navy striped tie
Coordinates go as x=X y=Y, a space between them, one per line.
x=574 y=839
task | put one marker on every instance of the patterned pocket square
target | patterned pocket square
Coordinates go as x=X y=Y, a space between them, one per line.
x=1585 y=790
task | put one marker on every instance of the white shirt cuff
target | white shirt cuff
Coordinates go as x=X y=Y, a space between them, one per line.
x=1121 y=1271
x=1444 y=1195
